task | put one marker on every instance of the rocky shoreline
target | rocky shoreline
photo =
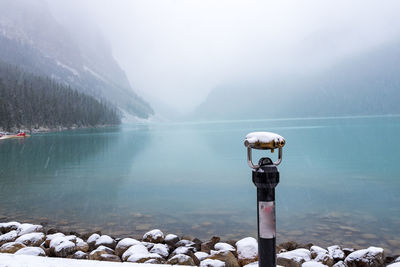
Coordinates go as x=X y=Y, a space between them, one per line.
x=157 y=248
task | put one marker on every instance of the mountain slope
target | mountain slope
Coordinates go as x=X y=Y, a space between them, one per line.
x=31 y=38
x=364 y=84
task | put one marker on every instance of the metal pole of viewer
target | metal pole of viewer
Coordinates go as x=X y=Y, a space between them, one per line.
x=265 y=176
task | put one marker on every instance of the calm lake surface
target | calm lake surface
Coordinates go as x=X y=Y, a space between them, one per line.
x=340 y=180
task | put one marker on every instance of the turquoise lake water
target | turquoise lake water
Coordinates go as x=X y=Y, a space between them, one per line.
x=340 y=180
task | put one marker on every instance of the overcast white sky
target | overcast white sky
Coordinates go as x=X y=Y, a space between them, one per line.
x=176 y=51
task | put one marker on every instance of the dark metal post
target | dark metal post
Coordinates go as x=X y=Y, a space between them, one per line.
x=265 y=177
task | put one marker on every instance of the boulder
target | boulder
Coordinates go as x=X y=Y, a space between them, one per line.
x=182 y=250
x=201 y=255
x=370 y=257
x=124 y=244
x=154 y=236
x=321 y=255
x=185 y=243
x=81 y=245
x=148 y=245
x=197 y=244
x=79 y=255
x=92 y=240
x=8 y=237
x=212 y=263
x=313 y=264
x=33 y=251
x=11 y=247
x=294 y=258
x=160 y=249
x=139 y=253
x=347 y=251
x=288 y=246
x=106 y=241
x=181 y=259
x=155 y=261
x=27 y=228
x=209 y=245
x=336 y=252
x=171 y=240
x=247 y=250
x=98 y=252
x=31 y=239
x=51 y=237
x=61 y=247
x=225 y=256
x=339 y=264
x=220 y=246
x=8 y=226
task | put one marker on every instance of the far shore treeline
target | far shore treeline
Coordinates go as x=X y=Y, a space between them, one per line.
x=29 y=101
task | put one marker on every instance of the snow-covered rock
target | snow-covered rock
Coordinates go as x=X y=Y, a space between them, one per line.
x=81 y=245
x=79 y=255
x=160 y=249
x=212 y=263
x=106 y=241
x=339 y=264
x=92 y=240
x=8 y=237
x=31 y=239
x=201 y=255
x=34 y=251
x=171 y=239
x=396 y=264
x=139 y=253
x=207 y=246
x=61 y=246
x=247 y=250
x=154 y=236
x=9 y=226
x=27 y=228
x=51 y=237
x=225 y=256
x=336 y=252
x=182 y=250
x=370 y=257
x=102 y=253
x=294 y=258
x=124 y=244
x=181 y=259
x=321 y=255
x=135 y=249
x=313 y=264
x=185 y=243
x=11 y=247
x=148 y=245
x=223 y=247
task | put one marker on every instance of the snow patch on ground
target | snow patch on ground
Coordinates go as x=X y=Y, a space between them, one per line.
x=12 y=260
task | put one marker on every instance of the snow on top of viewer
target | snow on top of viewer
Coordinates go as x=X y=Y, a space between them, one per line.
x=263 y=137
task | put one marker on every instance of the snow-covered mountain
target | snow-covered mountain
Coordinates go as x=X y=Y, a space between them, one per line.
x=32 y=38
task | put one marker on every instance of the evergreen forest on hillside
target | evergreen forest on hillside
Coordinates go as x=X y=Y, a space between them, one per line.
x=30 y=101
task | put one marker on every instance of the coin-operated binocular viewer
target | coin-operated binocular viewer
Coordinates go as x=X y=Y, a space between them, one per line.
x=266 y=178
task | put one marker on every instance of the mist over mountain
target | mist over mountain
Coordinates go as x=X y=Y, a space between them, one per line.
x=33 y=39
x=362 y=84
